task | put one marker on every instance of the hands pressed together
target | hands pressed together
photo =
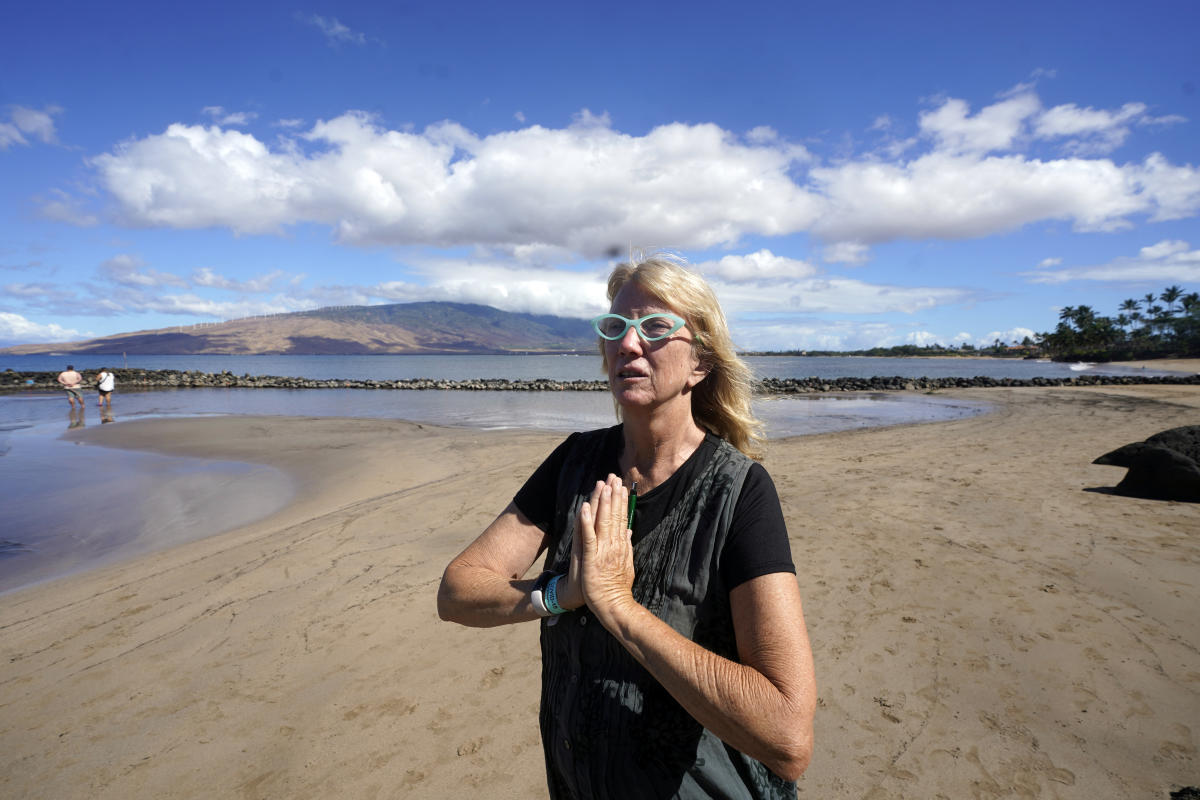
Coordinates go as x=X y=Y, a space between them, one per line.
x=601 y=571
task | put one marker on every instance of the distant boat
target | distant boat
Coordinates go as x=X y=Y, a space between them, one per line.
x=1080 y=366
x=1043 y=361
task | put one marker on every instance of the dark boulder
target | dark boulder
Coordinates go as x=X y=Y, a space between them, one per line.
x=1164 y=467
x=1185 y=440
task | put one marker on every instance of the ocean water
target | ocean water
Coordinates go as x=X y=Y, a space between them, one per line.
x=69 y=506
x=555 y=367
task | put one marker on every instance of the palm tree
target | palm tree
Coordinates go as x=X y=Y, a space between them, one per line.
x=1131 y=307
x=1169 y=296
x=1167 y=323
x=1187 y=325
x=1157 y=318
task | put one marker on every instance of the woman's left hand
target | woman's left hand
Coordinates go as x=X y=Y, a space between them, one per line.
x=604 y=548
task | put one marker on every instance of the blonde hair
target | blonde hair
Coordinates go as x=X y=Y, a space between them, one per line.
x=720 y=402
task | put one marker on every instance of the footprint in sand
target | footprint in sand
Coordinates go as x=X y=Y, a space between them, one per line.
x=471 y=748
x=492 y=678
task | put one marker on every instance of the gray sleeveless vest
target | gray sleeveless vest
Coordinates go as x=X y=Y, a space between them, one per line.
x=609 y=730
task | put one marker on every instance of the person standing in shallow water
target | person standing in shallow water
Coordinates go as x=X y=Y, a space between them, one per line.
x=72 y=383
x=675 y=659
x=105 y=383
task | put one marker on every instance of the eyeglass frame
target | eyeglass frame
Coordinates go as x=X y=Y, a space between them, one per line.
x=636 y=324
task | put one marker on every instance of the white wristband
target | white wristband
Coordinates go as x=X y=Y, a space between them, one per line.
x=539 y=605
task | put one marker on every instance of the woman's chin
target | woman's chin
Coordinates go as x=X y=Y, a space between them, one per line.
x=633 y=399
x=639 y=399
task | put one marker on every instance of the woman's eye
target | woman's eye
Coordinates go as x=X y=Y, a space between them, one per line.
x=656 y=327
x=612 y=327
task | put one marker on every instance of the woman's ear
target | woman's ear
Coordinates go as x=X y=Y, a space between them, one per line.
x=700 y=371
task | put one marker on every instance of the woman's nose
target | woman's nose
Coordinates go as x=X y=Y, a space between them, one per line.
x=631 y=342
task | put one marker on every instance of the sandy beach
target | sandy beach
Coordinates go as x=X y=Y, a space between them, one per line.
x=987 y=619
x=1187 y=366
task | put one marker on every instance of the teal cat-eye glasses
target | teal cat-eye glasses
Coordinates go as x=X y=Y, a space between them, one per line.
x=650 y=328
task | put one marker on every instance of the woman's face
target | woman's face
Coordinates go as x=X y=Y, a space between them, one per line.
x=645 y=374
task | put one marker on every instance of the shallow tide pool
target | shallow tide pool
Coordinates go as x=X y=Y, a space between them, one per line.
x=69 y=506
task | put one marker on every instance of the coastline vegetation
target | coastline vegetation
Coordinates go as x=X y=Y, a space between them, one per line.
x=999 y=348
x=1166 y=326
x=1162 y=326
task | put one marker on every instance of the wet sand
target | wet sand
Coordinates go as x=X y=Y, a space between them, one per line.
x=1188 y=366
x=987 y=619
x=69 y=508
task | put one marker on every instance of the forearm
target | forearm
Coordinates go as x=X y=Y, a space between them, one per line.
x=479 y=598
x=483 y=586
x=739 y=704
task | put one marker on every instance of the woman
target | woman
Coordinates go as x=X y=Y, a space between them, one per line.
x=675 y=660
x=106 y=382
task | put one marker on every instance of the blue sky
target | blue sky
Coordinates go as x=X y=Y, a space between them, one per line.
x=846 y=175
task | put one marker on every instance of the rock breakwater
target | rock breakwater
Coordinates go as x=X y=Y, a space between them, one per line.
x=11 y=381
x=901 y=384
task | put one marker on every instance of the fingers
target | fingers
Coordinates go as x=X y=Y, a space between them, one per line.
x=586 y=526
x=604 y=512
x=610 y=511
x=602 y=551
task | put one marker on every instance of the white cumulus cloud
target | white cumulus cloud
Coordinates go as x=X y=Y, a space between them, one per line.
x=532 y=290
x=995 y=127
x=1168 y=261
x=15 y=328
x=587 y=189
x=759 y=266
x=1105 y=129
x=1010 y=336
x=945 y=196
x=922 y=338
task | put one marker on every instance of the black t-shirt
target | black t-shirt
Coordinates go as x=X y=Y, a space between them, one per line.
x=757 y=543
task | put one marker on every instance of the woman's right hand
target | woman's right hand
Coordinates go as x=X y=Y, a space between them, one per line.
x=601 y=565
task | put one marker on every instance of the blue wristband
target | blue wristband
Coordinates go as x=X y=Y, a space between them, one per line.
x=550 y=597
